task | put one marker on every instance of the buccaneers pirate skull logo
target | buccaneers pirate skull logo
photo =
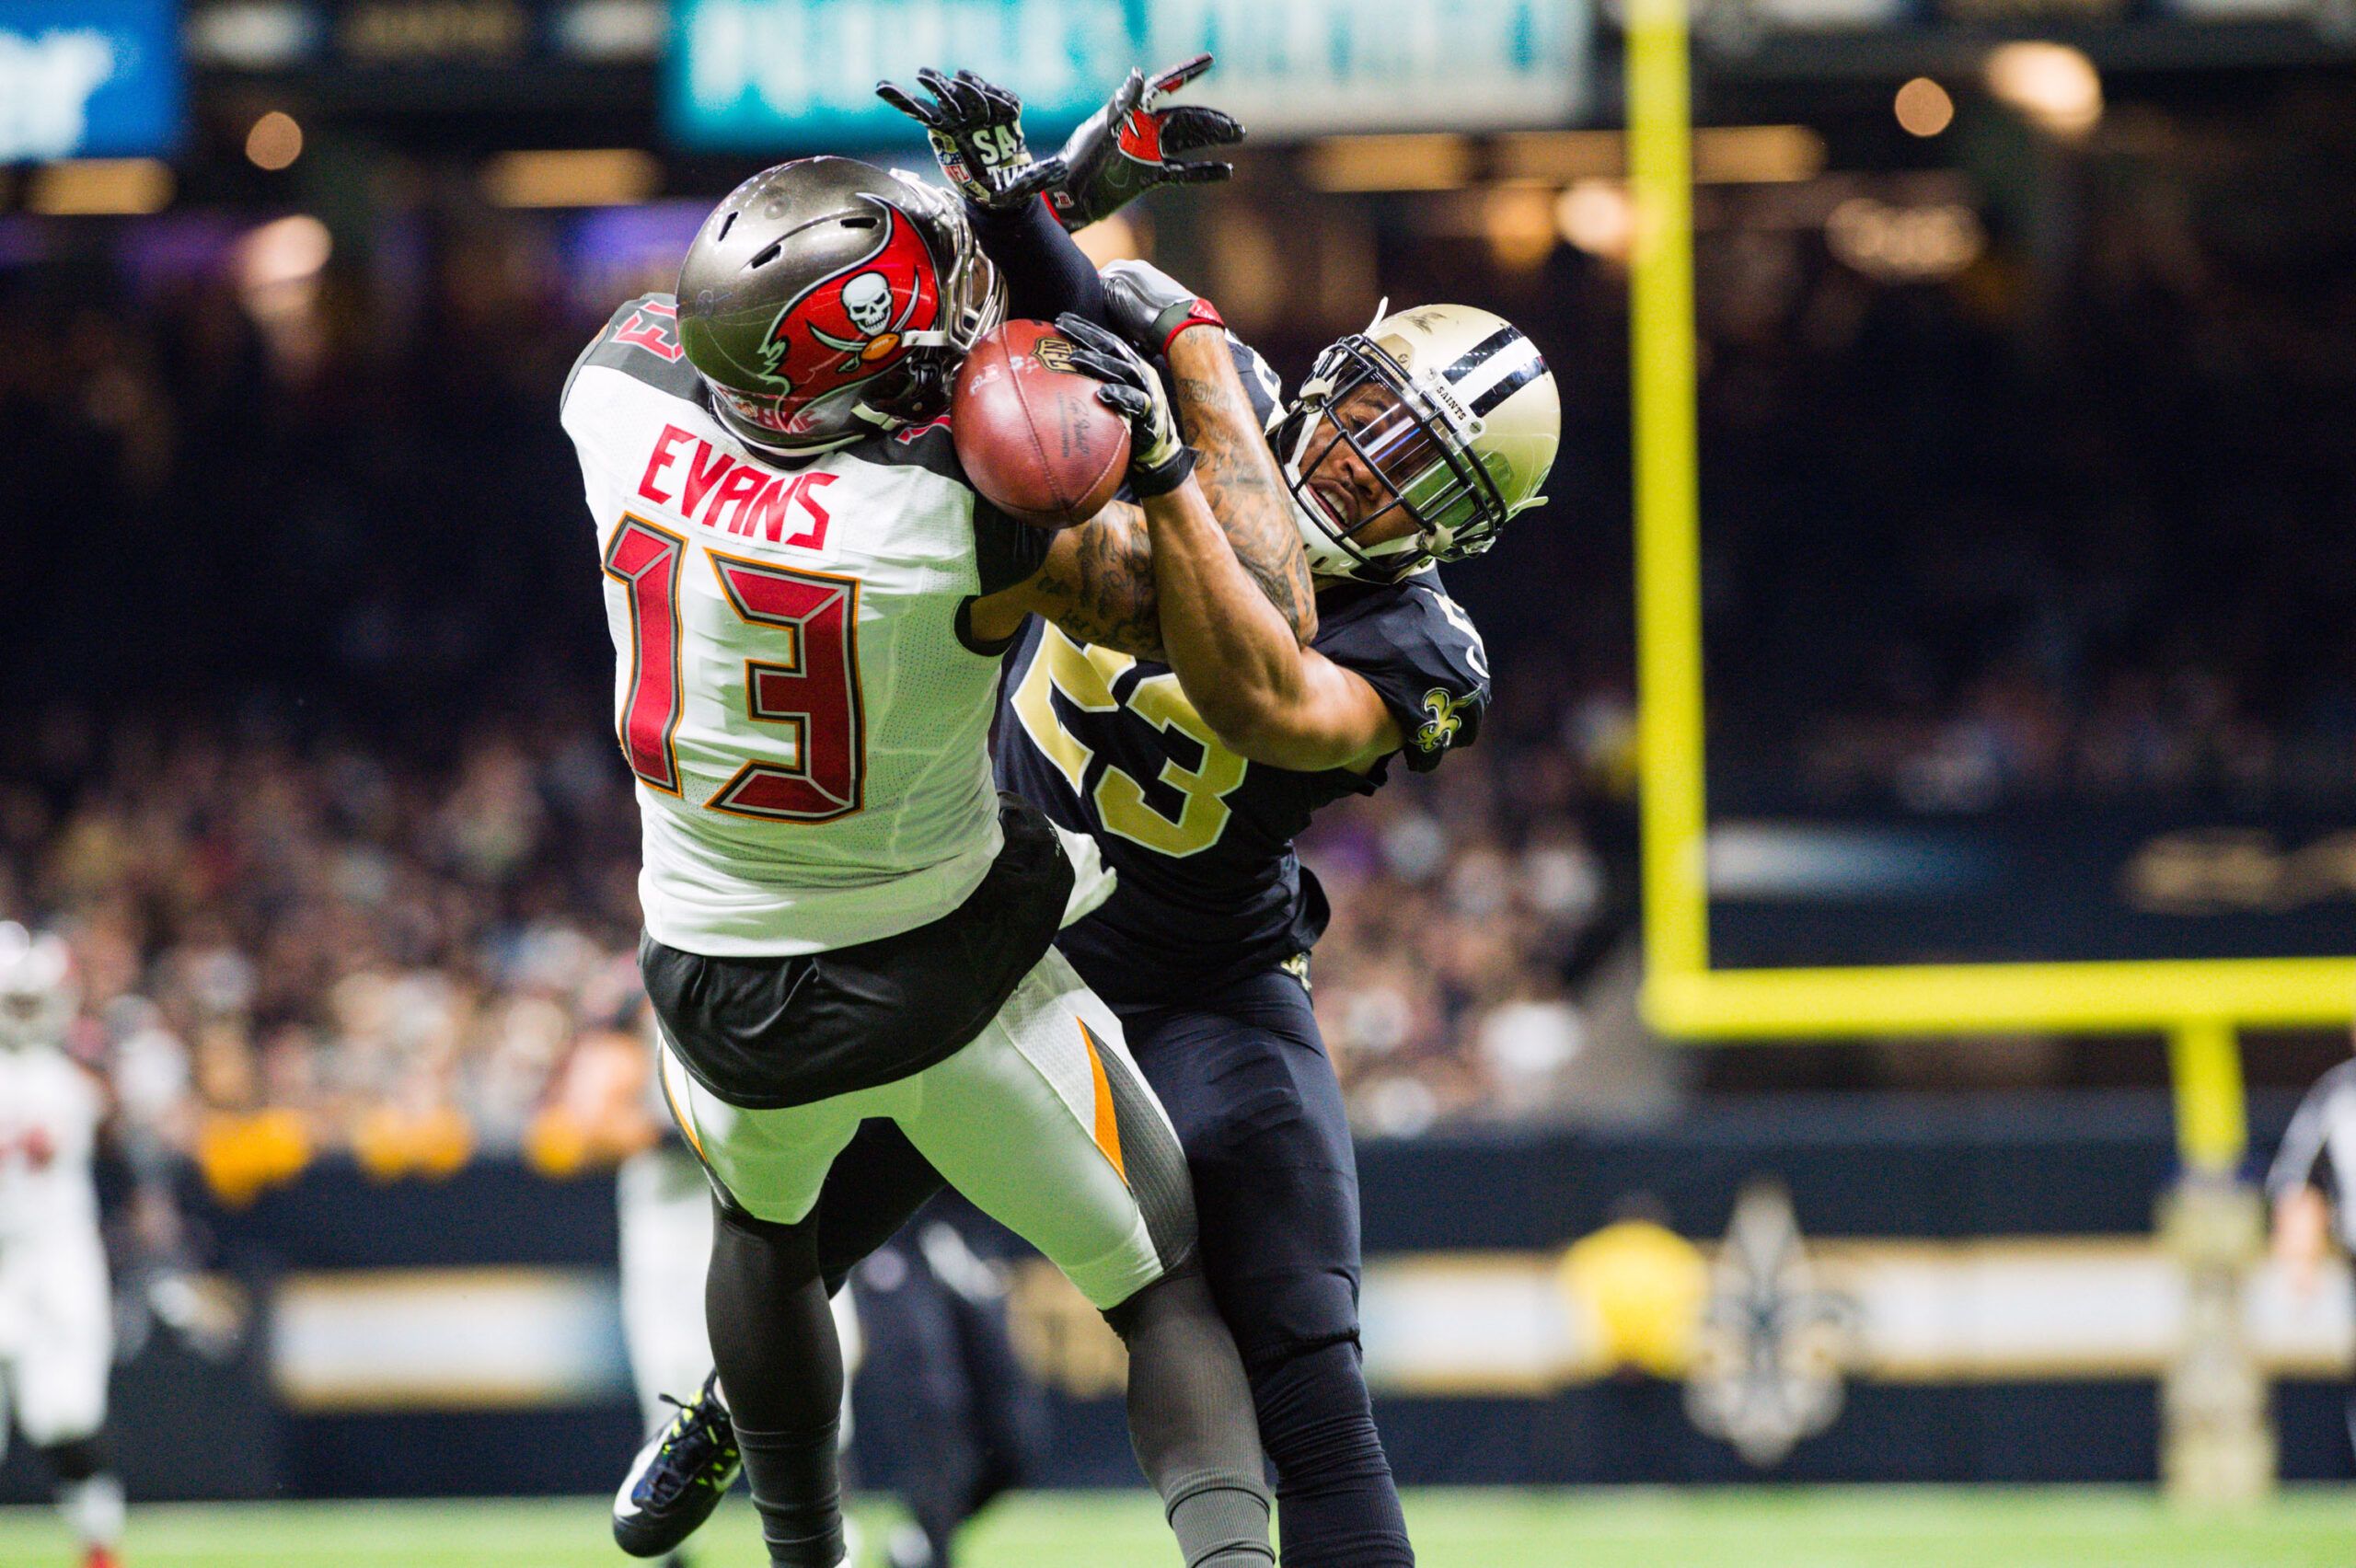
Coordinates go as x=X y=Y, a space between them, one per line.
x=847 y=326
x=868 y=297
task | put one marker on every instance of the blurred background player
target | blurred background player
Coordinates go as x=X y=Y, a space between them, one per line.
x=955 y=1408
x=842 y=922
x=951 y=1409
x=2307 y=1184
x=56 y=1314
x=608 y=1109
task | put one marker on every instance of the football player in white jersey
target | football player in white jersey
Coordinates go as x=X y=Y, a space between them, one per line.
x=1411 y=443
x=844 y=920
x=56 y=1316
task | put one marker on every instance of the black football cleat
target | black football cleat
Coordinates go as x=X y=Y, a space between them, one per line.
x=678 y=1478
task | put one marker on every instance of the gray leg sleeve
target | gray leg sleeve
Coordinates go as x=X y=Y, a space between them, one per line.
x=1191 y=1422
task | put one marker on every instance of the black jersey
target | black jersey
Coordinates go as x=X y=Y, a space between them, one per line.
x=1209 y=886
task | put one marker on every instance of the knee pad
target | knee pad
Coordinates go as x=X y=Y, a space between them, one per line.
x=77 y=1459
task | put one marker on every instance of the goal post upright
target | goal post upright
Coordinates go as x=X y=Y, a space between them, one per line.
x=1667 y=485
x=2219 y=1442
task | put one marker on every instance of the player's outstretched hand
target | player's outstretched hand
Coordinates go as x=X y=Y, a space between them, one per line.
x=1149 y=306
x=975 y=128
x=1130 y=145
x=1159 y=459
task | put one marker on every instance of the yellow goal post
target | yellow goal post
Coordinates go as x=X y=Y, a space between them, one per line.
x=2198 y=1004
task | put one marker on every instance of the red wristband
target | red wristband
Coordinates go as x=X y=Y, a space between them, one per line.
x=1203 y=314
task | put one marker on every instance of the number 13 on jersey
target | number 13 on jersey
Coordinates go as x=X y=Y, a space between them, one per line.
x=809 y=758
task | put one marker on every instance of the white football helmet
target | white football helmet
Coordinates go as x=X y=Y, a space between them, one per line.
x=37 y=996
x=1451 y=409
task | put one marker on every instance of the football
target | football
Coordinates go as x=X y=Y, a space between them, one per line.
x=1030 y=432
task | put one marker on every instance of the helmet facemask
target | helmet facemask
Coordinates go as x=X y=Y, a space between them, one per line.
x=1359 y=397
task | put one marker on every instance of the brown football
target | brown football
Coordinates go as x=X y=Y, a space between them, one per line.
x=1032 y=436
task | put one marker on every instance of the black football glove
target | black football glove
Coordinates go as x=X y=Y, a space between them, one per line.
x=975 y=128
x=1128 y=146
x=1149 y=306
x=1160 y=458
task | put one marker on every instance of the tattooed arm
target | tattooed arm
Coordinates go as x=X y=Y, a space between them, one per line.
x=1096 y=583
x=1239 y=476
x=1098 y=580
x=1237 y=657
x=1268 y=697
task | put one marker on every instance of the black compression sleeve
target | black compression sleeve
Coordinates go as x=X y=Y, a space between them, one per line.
x=781 y=1369
x=1047 y=274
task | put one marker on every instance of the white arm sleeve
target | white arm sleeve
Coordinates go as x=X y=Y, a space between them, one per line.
x=2304 y=1160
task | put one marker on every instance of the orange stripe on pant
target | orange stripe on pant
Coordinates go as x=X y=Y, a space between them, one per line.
x=1108 y=1121
x=687 y=1127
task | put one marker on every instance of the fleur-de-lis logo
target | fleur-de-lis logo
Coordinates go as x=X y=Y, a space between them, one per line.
x=1441 y=727
x=1774 y=1346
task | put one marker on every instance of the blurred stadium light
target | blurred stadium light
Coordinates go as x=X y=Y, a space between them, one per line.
x=275 y=141
x=1402 y=161
x=604 y=176
x=99 y=187
x=1923 y=107
x=1729 y=155
x=2055 y=86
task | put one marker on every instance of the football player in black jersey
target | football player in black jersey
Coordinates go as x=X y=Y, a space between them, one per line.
x=1410 y=445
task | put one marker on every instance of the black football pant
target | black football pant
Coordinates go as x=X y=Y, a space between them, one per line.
x=1242 y=1073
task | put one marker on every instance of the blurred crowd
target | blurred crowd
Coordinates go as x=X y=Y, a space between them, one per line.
x=2070 y=522
x=293 y=947
x=1469 y=904
x=302 y=682
x=287 y=946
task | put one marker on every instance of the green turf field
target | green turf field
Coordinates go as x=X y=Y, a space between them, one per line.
x=1831 y=1528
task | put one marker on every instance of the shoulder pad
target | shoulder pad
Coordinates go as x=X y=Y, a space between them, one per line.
x=1452 y=635
x=642 y=341
x=1005 y=551
x=1423 y=655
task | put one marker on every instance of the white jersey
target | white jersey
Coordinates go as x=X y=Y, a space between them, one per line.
x=2319 y=1149
x=794 y=689
x=57 y=1332
x=50 y=1111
